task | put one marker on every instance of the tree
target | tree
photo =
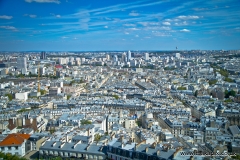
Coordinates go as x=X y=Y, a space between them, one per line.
x=8 y=156
x=52 y=130
x=81 y=81
x=236 y=157
x=116 y=96
x=10 y=96
x=68 y=97
x=97 y=137
x=228 y=80
x=212 y=82
x=73 y=81
x=84 y=121
x=181 y=88
x=139 y=123
x=43 y=92
x=228 y=100
x=230 y=93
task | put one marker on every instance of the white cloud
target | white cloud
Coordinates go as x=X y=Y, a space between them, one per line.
x=58 y=16
x=32 y=16
x=147 y=37
x=126 y=32
x=161 y=34
x=200 y=9
x=166 y=23
x=105 y=26
x=133 y=14
x=5 y=17
x=108 y=18
x=75 y=38
x=165 y=28
x=184 y=23
x=237 y=28
x=185 y=30
x=64 y=37
x=134 y=29
x=136 y=35
x=169 y=20
x=43 y=1
x=188 y=17
x=9 y=27
x=129 y=25
x=143 y=23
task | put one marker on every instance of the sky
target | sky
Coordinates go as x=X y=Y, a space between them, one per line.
x=95 y=25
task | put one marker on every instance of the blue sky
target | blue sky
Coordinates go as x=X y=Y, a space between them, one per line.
x=80 y=25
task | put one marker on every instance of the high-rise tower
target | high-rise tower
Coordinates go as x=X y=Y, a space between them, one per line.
x=43 y=55
x=129 y=56
x=22 y=63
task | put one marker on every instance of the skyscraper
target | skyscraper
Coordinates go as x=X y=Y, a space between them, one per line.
x=115 y=58
x=22 y=63
x=178 y=55
x=43 y=55
x=146 y=56
x=107 y=57
x=129 y=56
x=124 y=57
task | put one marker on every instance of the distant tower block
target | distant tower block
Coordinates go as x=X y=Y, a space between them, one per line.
x=43 y=55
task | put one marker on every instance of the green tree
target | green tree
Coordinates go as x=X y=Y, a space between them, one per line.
x=181 y=88
x=228 y=100
x=8 y=156
x=52 y=130
x=212 y=82
x=10 y=96
x=81 y=81
x=73 y=81
x=68 y=97
x=228 y=80
x=236 y=157
x=139 y=123
x=97 y=137
x=230 y=93
x=43 y=92
x=84 y=121
x=116 y=96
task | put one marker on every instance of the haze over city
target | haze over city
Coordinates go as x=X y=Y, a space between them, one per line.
x=81 y=25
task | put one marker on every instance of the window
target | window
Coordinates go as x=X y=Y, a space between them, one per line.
x=2 y=148
x=9 y=148
x=16 y=147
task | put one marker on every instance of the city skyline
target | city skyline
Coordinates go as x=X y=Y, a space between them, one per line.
x=71 y=25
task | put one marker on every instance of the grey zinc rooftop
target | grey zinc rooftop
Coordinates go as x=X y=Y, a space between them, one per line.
x=71 y=147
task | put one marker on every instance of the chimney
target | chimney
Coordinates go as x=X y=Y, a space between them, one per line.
x=67 y=138
x=146 y=149
x=121 y=138
x=158 y=153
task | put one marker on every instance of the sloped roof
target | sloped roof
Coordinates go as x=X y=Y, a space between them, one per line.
x=14 y=139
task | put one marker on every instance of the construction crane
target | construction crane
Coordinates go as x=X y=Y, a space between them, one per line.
x=55 y=70
x=38 y=78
